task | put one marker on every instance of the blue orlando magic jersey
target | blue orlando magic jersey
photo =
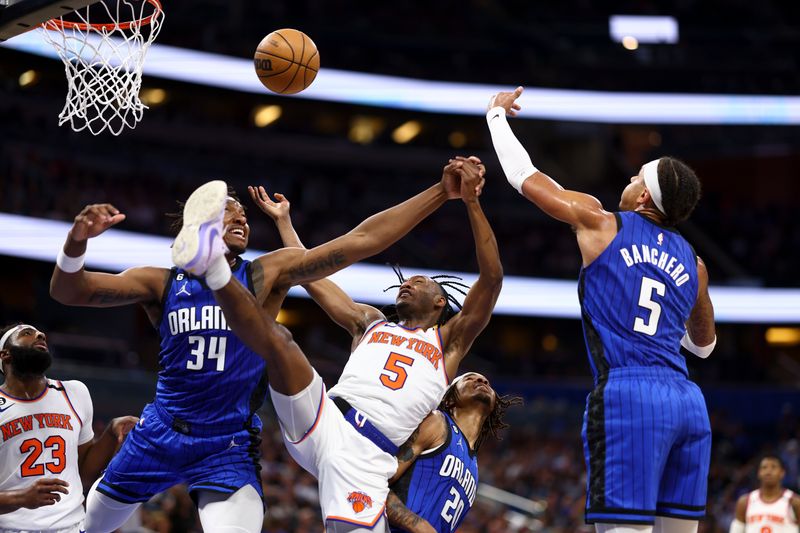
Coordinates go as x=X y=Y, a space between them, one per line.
x=636 y=297
x=207 y=375
x=440 y=486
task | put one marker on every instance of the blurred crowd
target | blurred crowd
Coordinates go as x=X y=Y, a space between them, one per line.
x=763 y=241
x=539 y=458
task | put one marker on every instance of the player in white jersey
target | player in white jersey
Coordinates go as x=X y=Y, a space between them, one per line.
x=771 y=508
x=48 y=452
x=349 y=448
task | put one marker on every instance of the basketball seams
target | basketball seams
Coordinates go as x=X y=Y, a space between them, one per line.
x=291 y=48
x=276 y=56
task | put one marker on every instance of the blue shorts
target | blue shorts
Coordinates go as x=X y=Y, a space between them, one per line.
x=647 y=445
x=161 y=452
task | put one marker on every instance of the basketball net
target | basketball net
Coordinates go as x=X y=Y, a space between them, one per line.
x=103 y=62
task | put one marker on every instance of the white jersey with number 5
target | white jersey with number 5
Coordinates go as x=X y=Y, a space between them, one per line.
x=395 y=376
x=40 y=439
x=770 y=517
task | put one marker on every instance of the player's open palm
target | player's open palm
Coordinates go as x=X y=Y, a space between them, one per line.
x=94 y=220
x=122 y=425
x=46 y=491
x=507 y=101
x=276 y=209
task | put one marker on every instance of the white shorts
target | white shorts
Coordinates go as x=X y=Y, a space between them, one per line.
x=353 y=473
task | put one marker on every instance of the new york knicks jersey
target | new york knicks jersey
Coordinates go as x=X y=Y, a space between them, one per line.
x=40 y=440
x=441 y=484
x=395 y=376
x=207 y=375
x=770 y=517
x=636 y=297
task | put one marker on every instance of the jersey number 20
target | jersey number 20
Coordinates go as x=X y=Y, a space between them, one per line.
x=646 y=300
x=453 y=508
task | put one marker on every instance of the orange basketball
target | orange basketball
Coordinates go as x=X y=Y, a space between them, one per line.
x=286 y=61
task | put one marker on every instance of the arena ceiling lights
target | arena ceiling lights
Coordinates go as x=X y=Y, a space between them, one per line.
x=646 y=30
x=117 y=250
x=460 y=98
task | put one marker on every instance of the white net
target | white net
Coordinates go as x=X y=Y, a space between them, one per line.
x=103 y=48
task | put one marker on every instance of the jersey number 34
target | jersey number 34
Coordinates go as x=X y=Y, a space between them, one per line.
x=216 y=350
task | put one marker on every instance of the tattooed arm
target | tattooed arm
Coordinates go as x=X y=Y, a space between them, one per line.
x=401 y=516
x=143 y=285
x=431 y=433
x=372 y=236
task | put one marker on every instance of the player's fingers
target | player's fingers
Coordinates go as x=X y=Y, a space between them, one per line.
x=518 y=91
x=280 y=197
x=516 y=106
x=116 y=219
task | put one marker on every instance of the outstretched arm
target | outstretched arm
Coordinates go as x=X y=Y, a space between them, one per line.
x=351 y=316
x=72 y=285
x=374 y=235
x=577 y=209
x=462 y=330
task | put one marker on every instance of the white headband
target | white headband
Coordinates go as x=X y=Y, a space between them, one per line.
x=650 y=173
x=10 y=332
x=459 y=378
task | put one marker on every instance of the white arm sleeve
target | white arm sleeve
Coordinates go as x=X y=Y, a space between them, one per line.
x=736 y=527
x=515 y=161
x=700 y=351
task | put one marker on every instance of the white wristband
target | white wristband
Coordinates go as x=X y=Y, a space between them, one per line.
x=514 y=159
x=68 y=264
x=737 y=526
x=700 y=351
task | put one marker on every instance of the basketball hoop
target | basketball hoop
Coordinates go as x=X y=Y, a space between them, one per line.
x=103 y=62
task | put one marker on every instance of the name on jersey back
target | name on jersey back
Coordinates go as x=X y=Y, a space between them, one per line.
x=658 y=258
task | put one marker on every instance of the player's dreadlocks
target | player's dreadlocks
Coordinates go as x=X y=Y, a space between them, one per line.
x=177 y=217
x=444 y=281
x=493 y=423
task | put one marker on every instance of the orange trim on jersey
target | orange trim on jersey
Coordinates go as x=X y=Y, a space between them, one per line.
x=444 y=360
x=373 y=326
x=25 y=400
x=316 y=421
x=356 y=522
x=66 y=397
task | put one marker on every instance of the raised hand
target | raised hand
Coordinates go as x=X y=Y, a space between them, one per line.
x=46 y=491
x=93 y=220
x=275 y=209
x=472 y=179
x=507 y=101
x=121 y=426
x=478 y=188
x=451 y=180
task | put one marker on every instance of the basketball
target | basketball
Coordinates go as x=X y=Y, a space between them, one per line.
x=287 y=61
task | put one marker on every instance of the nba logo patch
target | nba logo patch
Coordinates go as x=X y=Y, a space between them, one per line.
x=359 y=501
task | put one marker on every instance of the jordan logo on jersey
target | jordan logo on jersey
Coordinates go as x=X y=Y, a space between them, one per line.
x=183 y=290
x=425 y=349
x=359 y=501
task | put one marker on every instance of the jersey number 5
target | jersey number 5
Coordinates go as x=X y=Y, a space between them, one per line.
x=646 y=300
x=33 y=447
x=397 y=374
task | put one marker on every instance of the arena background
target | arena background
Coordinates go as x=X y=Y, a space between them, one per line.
x=338 y=163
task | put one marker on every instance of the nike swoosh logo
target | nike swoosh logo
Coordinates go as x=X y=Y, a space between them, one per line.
x=7 y=408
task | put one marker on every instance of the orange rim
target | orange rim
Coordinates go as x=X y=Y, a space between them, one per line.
x=67 y=25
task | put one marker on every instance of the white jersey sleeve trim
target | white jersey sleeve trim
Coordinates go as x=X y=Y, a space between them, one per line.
x=79 y=399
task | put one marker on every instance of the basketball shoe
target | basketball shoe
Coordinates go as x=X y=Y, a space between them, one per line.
x=200 y=242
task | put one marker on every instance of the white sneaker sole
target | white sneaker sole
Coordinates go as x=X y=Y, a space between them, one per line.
x=202 y=221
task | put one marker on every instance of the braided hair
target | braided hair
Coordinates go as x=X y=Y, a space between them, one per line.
x=493 y=423
x=680 y=189
x=444 y=282
x=177 y=218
